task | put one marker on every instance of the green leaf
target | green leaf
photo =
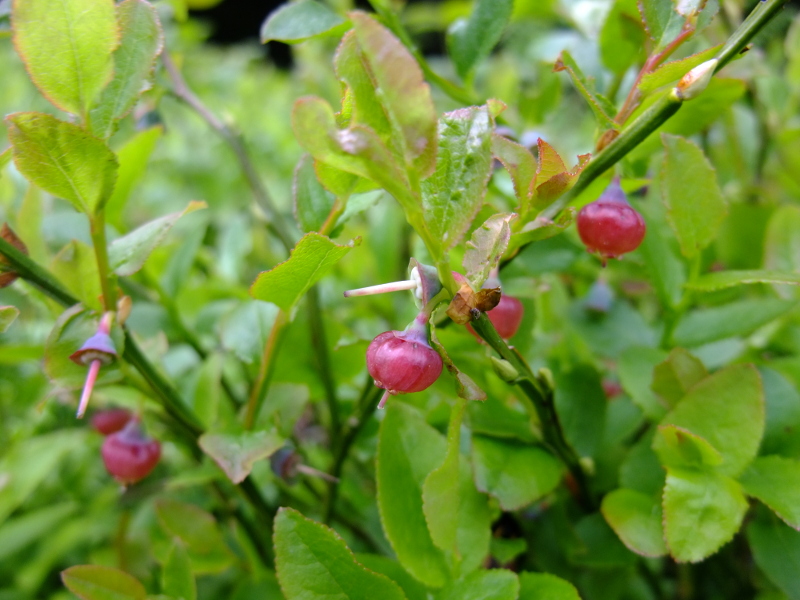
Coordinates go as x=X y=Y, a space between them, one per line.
x=636 y=518
x=516 y=474
x=134 y=60
x=776 y=482
x=384 y=565
x=8 y=315
x=662 y=21
x=679 y=372
x=93 y=582
x=776 y=551
x=402 y=91
x=581 y=406
x=198 y=531
x=453 y=195
x=702 y=511
x=782 y=241
x=672 y=71
x=783 y=415
x=62 y=159
x=177 y=579
x=496 y=584
x=127 y=254
x=31 y=526
x=724 y=279
x=313 y=563
x=485 y=247
x=602 y=108
x=208 y=390
x=133 y=157
x=504 y=550
x=552 y=176
x=296 y=22
x=727 y=410
x=541 y=228
x=409 y=449
x=695 y=205
x=622 y=38
x=679 y=447
x=312 y=202
x=706 y=325
x=67 y=47
x=76 y=265
x=520 y=164
x=544 y=586
x=471 y=40
x=312 y=259
x=236 y=453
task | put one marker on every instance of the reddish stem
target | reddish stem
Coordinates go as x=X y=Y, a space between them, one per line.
x=91 y=377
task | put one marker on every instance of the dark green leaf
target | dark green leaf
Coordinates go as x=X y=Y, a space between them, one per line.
x=497 y=584
x=312 y=202
x=61 y=158
x=782 y=241
x=725 y=279
x=581 y=405
x=92 y=582
x=67 y=48
x=679 y=372
x=471 y=40
x=298 y=21
x=727 y=410
x=776 y=482
x=695 y=205
x=706 y=325
x=636 y=518
x=702 y=511
x=177 y=579
x=313 y=563
x=544 y=586
x=485 y=247
x=453 y=195
x=134 y=59
x=409 y=449
x=783 y=416
x=312 y=259
x=235 y=454
x=776 y=551
x=515 y=474
x=127 y=254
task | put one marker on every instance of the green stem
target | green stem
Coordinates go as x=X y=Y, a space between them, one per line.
x=265 y=370
x=540 y=395
x=319 y=343
x=107 y=283
x=755 y=22
x=30 y=271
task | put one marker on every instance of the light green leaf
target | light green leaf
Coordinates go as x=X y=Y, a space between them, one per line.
x=471 y=40
x=776 y=551
x=312 y=202
x=127 y=254
x=622 y=38
x=485 y=247
x=8 y=314
x=544 y=586
x=236 y=453
x=296 y=22
x=134 y=59
x=384 y=565
x=208 y=390
x=581 y=406
x=672 y=71
x=776 y=482
x=31 y=526
x=133 y=157
x=312 y=259
x=520 y=164
x=702 y=511
x=453 y=195
x=602 y=108
x=706 y=325
x=679 y=372
x=495 y=584
x=636 y=518
x=93 y=582
x=514 y=473
x=540 y=229
x=727 y=410
x=67 y=47
x=408 y=450
x=635 y=370
x=724 y=279
x=678 y=447
x=177 y=579
x=402 y=91
x=61 y=158
x=76 y=266
x=552 y=176
x=695 y=205
x=313 y=563
x=661 y=20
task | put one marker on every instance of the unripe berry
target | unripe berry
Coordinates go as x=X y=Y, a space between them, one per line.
x=402 y=362
x=129 y=455
x=610 y=226
x=111 y=420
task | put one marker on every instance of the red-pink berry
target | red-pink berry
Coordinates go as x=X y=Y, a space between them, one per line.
x=610 y=226
x=129 y=455
x=111 y=420
x=506 y=317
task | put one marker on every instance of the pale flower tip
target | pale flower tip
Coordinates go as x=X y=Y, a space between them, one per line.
x=384 y=398
x=696 y=81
